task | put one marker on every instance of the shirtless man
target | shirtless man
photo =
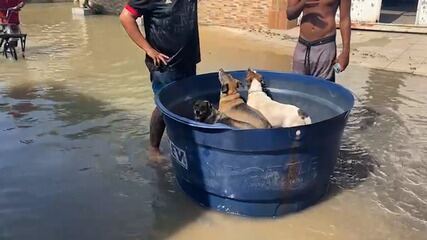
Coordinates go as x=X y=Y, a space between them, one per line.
x=315 y=53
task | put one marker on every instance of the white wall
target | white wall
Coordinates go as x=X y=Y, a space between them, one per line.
x=368 y=11
x=422 y=13
x=364 y=11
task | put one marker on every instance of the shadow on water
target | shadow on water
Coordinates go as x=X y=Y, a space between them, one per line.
x=175 y=211
x=356 y=161
x=398 y=141
x=354 y=165
x=78 y=164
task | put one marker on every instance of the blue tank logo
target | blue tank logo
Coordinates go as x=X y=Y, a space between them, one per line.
x=179 y=155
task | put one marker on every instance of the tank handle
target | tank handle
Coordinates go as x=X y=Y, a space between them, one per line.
x=296 y=134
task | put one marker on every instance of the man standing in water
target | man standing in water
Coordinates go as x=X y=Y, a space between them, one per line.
x=315 y=53
x=171 y=44
x=9 y=15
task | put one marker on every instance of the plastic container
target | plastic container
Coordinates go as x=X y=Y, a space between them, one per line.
x=261 y=172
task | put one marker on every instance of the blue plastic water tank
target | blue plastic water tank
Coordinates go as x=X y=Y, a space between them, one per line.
x=261 y=172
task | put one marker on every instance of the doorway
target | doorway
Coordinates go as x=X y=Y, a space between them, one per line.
x=398 y=11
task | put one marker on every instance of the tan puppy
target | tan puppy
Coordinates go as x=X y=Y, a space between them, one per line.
x=233 y=106
x=278 y=114
x=206 y=113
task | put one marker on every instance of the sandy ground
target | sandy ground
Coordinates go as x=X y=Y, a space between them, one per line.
x=397 y=52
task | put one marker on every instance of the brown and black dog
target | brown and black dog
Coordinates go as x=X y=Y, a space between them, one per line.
x=233 y=106
x=206 y=113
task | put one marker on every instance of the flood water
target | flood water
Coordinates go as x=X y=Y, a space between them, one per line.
x=74 y=128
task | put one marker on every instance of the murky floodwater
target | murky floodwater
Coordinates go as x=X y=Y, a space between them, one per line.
x=73 y=128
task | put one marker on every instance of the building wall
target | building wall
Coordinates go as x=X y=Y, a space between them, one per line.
x=47 y=1
x=364 y=11
x=422 y=13
x=258 y=14
x=111 y=6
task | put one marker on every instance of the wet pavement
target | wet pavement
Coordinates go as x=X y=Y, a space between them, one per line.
x=74 y=128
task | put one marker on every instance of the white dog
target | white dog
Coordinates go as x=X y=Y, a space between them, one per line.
x=278 y=114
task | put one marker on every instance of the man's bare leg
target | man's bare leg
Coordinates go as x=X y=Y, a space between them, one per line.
x=157 y=128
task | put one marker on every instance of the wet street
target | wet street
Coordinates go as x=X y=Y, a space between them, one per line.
x=74 y=128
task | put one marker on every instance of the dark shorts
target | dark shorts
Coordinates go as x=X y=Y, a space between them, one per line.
x=316 y=58
x=159 y=79
x=12 y=29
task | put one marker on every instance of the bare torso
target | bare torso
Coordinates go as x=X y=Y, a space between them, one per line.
x=318 y=19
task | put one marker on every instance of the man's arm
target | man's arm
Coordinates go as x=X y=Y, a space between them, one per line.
x=295 y=8
x=345 y=29
x=128 y=20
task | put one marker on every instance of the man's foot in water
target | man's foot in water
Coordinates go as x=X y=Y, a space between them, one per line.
x=156 y=158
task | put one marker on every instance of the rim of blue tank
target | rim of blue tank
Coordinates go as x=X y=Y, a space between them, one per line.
x=304 y=78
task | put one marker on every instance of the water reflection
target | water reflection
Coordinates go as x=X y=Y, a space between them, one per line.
x=73 y=126
x=387 y=101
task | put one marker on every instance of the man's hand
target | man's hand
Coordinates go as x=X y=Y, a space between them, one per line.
x=343 y=60
x=295 y=8
x=345 y=28
x=157 y=57
x=128 y=21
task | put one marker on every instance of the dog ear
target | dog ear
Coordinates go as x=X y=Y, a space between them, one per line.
x=224 y=88
x=302 y=114
x=221 y=74
x=209 y=104
x=206 y=104
x=251 y=70
x=195 y=103
x=250 y=74
x=199 y=102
